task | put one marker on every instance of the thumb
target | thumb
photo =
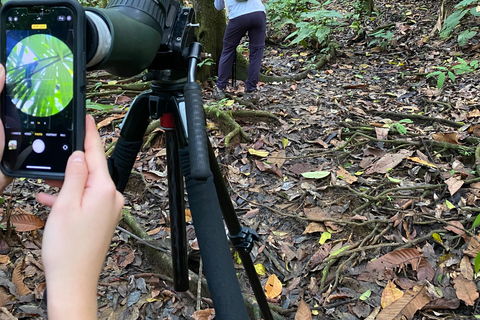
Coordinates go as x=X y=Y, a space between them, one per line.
x=2 y=77
x=76 y=175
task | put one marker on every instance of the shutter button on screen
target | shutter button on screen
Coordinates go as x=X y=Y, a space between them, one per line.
x=38 y=146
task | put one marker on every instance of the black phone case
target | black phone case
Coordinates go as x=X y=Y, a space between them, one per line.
x=79 y=82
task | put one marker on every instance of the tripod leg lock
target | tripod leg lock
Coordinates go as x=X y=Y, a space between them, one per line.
x=244 y=239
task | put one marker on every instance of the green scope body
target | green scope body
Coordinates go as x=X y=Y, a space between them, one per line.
x=125 y=37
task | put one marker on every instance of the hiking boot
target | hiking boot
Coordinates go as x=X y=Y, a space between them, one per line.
x=251 y=96
x=219 y=94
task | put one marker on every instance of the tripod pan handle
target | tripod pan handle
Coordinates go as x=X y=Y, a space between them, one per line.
x=197 y=136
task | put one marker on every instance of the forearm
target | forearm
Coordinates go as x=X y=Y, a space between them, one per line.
x=71 y=300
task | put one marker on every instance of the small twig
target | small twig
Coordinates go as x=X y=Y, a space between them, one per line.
x=142 y=241
x=199 y=284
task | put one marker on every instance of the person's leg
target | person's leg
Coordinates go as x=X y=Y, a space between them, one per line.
x=256 y=35
x=236 y=29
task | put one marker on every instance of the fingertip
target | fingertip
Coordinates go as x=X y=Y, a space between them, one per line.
x=46 y=199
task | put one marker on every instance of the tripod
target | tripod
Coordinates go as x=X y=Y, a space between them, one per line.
x=176 y=100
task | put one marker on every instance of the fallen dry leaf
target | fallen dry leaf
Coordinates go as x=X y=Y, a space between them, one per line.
x=314 y=227
x=303 y=312
x=345 y=175
x=466 y=290
x=273 y=287
x=466 y=268
x=449 y=137
x=17 y=279
x=459 y=229
x=421 y=161
x=390 y=294
x=26 y=222
x=454 y=184
x=382 y=133
x=207 y=314
x=388 y=161
x=109 y=120
x=412 y=301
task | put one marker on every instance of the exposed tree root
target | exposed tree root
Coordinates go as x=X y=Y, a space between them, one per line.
x=242 y=67
x=228 y=125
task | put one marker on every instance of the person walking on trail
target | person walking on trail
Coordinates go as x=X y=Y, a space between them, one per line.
x=244 y=16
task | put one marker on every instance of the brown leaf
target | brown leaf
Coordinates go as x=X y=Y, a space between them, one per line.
x=26 y=222
x=412 y=301
x=388 y=161
x=125 y=256
x=473 y=247
x=425 y=270
x=109 y=120
x=314 y=227
x=466 y=268
x=454 y=185
x=456 y=230
x=207 y=314
x=466 y=290
x=303 y=312
x=265 y=167
x=277 y=158
x=6 y=315
x=449 y=137
x=394 y=259
x=17 y=279
x=345 y=175
x=390 y=294
x=273 y=287
x=4 y=259
x=316 y=214
x=5 y=297
x=382 y=133
x=442 y=303
x=474 y=113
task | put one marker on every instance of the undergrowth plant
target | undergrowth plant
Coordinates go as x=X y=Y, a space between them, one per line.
x=311 y=22
x=459 y=67
x=382 y=38
x=453 y=20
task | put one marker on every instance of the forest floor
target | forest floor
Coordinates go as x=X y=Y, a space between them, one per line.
x=363 y=194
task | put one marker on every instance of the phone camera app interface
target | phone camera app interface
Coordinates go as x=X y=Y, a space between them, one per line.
x=39 y=88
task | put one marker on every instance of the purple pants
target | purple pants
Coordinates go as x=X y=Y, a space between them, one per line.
x=255 y=24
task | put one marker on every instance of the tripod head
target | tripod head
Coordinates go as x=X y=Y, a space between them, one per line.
x=129 y=36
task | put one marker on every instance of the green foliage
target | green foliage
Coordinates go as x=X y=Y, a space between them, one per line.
x=206 y=62
x=454 y=19
x=382 y=38
x=311 y=22
x=315 y=26
x=282 y=12
x=466 y=35
x=399 y=127
x=39 y=72
x=460 y=67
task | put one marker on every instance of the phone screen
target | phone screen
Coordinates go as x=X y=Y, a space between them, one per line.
x=38 y=111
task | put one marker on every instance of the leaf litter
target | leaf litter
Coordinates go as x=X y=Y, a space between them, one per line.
x=395 y=205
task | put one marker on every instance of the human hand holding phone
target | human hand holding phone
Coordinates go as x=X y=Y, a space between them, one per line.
x=79 y=230
x=4 y=180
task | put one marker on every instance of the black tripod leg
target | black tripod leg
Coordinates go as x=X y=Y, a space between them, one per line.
x=242 y=238
x=131 y=138
x=177 y=214
x=219 y=271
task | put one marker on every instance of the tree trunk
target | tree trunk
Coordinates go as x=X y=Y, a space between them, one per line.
x=210 y=34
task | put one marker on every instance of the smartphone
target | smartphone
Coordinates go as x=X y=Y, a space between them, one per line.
x=43 y=100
